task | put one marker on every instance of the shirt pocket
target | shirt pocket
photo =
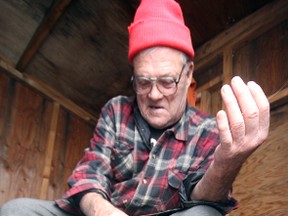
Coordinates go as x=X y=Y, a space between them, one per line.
x=170 y=198
x=122 y=161
x=175 y=178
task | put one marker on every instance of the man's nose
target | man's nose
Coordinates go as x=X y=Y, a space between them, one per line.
x=155 y=93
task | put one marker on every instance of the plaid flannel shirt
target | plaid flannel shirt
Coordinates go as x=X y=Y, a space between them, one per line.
x=139 y=178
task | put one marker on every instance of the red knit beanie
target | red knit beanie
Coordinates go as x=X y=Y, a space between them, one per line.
x=159 y=23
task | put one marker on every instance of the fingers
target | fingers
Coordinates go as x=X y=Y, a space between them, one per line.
x=247 y=110
x=244 y=124
x=234 y=115
x=247 y=105
x=223 y=126
x=263 y=106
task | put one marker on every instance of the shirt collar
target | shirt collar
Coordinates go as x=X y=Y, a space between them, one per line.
x=180 y=129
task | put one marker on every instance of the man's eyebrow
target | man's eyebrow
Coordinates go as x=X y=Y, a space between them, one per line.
x=169 y=74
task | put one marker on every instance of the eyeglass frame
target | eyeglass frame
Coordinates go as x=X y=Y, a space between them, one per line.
x=154 y=79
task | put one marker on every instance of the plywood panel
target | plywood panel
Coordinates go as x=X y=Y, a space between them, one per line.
x=262 y=185
x=24 y=143
x=25 y=120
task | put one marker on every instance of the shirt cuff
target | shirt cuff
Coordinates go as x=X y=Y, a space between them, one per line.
x=187 y=187
x=77 y=197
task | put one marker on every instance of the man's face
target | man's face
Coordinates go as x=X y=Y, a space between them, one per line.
x=158 y=110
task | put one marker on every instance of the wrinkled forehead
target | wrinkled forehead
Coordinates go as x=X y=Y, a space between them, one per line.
x=160 y=53
x=158 y=58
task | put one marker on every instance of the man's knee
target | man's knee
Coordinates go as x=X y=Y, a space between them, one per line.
x=200 y=210
x=31 y=207
x=13 y=207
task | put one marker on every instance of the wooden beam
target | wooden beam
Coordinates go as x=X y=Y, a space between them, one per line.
x=227 y=65
x=205 y=101
x=210 y=84
x=279 y=98
x=49 y=151
x=47 y=91
x=42 y=32
x=248 y=28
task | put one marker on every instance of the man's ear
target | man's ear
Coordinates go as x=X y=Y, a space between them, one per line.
x=189 y=74
x=191 y=89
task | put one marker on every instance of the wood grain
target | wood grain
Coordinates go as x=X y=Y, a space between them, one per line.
x=73 y=136
x=42 y=32
x=22 y=162
x=27 y=130
x=249 y=28
x=49 y=92
x=49 y=150
x=264 y=59
x=262 y=185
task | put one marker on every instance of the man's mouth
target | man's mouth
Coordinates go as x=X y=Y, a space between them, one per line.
x=156 y=108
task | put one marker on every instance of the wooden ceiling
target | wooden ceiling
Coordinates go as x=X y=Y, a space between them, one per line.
x=79 y=47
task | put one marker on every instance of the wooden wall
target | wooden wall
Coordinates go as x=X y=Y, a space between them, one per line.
x=262 y=185
x=40 y=142
x=255 y=49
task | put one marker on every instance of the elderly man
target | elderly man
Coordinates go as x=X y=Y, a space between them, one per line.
x=153 y=154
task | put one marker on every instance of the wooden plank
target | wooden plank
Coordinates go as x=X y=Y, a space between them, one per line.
x=227 y=65
x=22 y=161
x=58 y=179
x=49 y=151
x=210 y=84
x=6 y=98
x=19 y=21
x=249 y=28
x=48 y=91
x=279 y=98
x=73 y=136
x=264 y=60
x=205 y=102
x=216 y=102
x=42 y=32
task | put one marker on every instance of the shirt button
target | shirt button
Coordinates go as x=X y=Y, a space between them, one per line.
x=125 y=202
x=144 y=181
x=137 y=203
x=153 y=156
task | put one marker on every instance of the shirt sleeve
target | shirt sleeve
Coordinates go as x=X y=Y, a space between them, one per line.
x=205 y=150
x=187 y=187
x=77 y=197
x=94 y=171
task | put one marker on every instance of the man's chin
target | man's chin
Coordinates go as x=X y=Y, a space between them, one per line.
x=158 y=124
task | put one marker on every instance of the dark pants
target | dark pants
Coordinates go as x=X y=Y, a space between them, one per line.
x=33 y=207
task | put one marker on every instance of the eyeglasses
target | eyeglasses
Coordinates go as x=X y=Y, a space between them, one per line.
x=166 y=85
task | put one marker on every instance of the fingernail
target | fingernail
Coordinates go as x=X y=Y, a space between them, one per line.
x=237 y=79
x=251 y=83
x=225 y=88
